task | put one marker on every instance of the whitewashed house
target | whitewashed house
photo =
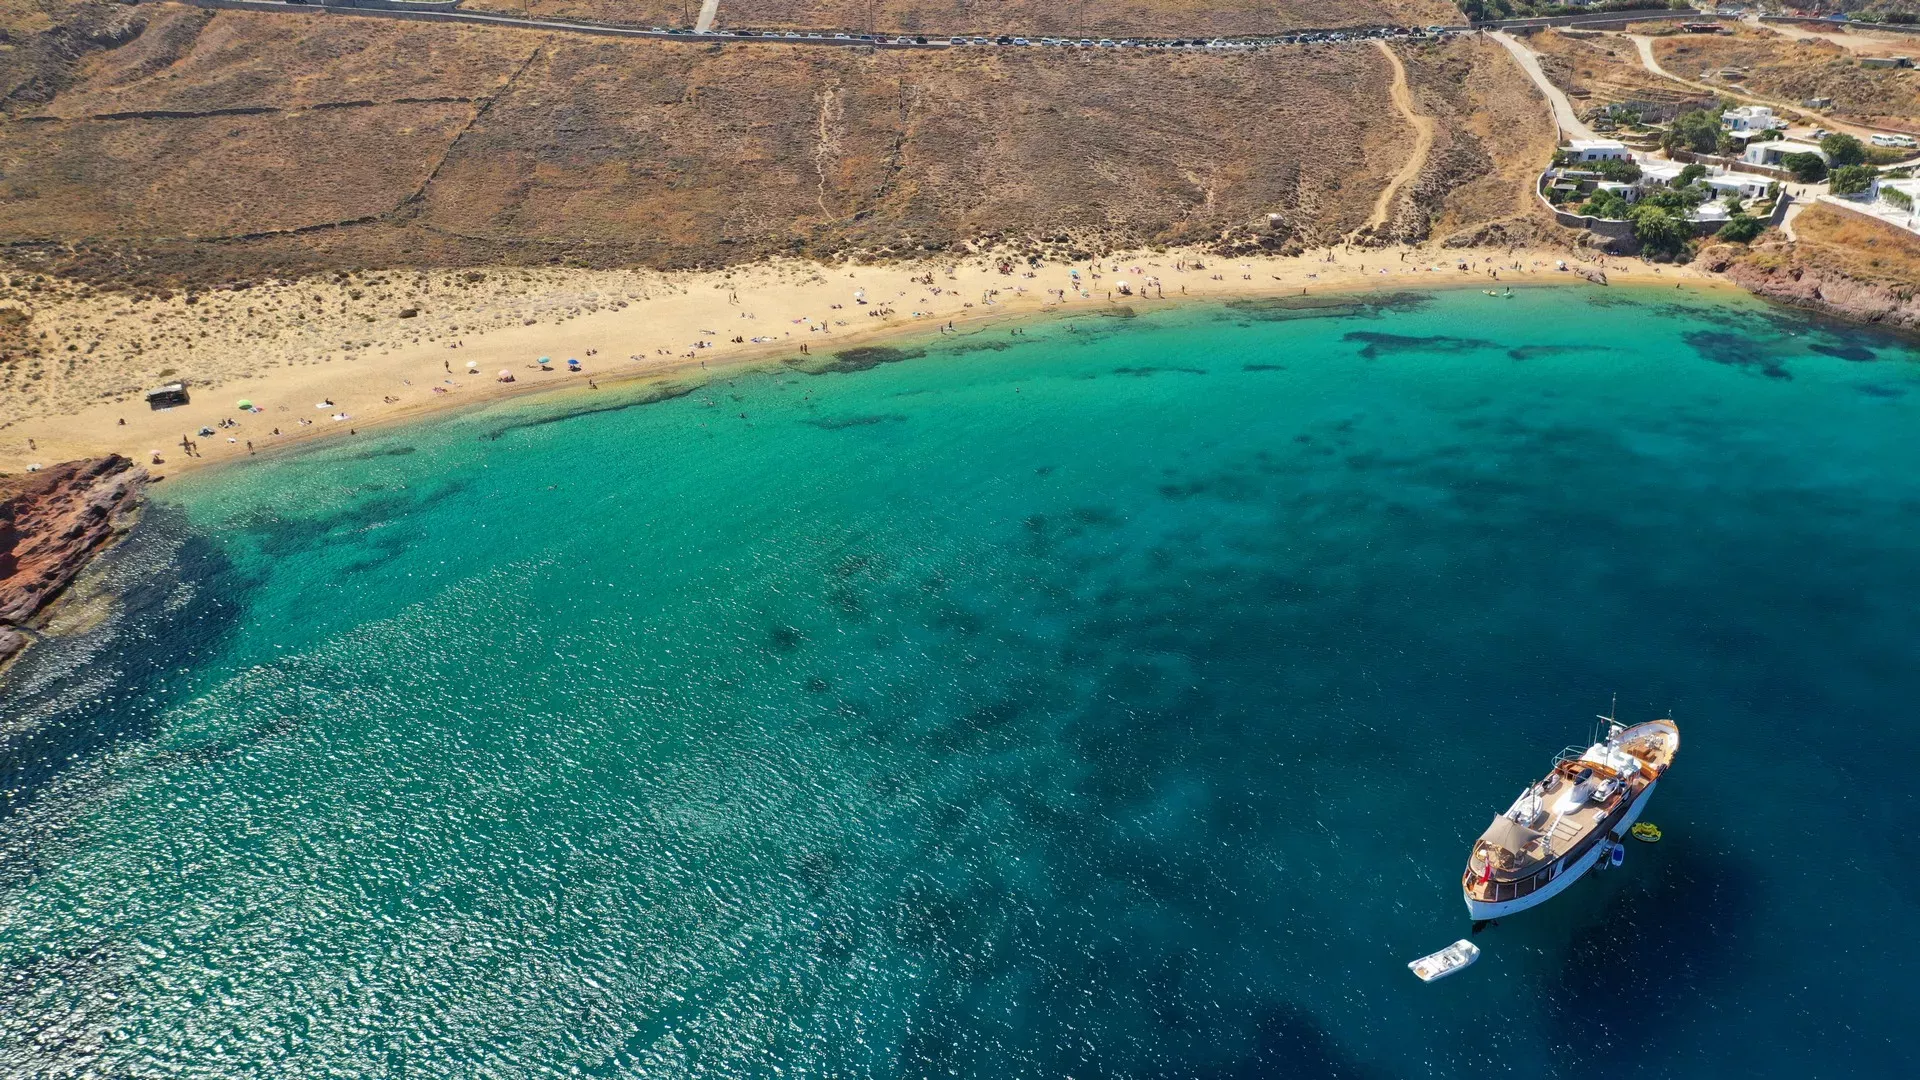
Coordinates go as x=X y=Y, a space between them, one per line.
x=1598 y=150
x=1655 y=172
x=1750 y=120
x=1770 y=153
x=1744 y=185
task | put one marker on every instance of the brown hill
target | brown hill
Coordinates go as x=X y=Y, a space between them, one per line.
x=222 y=145
x=1792 y=70
x=1078 y=18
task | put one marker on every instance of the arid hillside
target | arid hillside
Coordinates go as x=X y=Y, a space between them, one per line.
x=1079 y=18
x=1794 y=69
x=197 y=145
x=1597 y=70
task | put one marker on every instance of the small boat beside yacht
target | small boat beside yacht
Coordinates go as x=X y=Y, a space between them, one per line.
x=1570 y=821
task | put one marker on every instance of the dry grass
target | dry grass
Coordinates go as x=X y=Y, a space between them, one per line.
x=1163 y=18
x=191 y=59
x=1788 y=70
x=1495 y=135
x=633 y=12
x=1598 y=70
x=214 y=176
x=752 y=150
x=1858 y=246
x=549 y=148
x=1082 y=18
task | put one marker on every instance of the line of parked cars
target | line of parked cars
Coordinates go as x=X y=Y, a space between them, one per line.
x=1303 y=37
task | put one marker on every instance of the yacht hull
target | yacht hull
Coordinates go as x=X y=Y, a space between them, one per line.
x=1481 y=910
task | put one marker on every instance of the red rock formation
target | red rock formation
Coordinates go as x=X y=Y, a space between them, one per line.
x=52 y=523
x=1792 y=280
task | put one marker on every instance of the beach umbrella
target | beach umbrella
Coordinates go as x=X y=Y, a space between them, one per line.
x=473 y=365
x=505 y=374
x=243 y=403
x=546 y=360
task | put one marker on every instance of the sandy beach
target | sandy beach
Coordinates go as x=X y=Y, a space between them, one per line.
x=328 y=357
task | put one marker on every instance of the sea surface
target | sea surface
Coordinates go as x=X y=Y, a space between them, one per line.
x=1116 y=699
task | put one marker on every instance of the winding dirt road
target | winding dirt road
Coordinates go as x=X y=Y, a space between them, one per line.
x=1860 y=131
x=1422 y=140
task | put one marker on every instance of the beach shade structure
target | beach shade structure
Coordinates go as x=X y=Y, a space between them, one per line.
x=473 y=365
x=546 y=360
x=572 y=363
x=505 y=374
x=243 y=403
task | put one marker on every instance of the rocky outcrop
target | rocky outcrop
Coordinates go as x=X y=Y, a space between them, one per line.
x=1775 y=273
x=53 y=522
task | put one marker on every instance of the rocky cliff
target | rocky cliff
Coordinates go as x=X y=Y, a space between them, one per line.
x=52 y=522
x=1792 y=281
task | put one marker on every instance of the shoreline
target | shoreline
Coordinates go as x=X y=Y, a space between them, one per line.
x=788 y=307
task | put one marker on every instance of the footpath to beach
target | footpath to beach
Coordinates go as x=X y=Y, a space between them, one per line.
x=634 y=325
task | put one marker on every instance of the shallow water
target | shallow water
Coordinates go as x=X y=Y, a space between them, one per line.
x=1116 y=700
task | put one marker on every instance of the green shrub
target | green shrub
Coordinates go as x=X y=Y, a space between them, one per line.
x=1851 y=179
x=1741 y=229
x=1806 y=168
x=1619 y=171
x=1698 y=131
x=1659 y=231
x=1898 y=198
x=1843 y=149
x=1605 y=204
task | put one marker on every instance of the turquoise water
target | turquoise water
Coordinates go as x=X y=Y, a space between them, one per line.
x=1117 y=700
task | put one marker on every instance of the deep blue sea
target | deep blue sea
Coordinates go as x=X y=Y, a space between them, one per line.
x=1117 y=700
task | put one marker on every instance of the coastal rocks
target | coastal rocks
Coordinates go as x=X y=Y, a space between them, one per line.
x=1775 y=273
x=52 y=523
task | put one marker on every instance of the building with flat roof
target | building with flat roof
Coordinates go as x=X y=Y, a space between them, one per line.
x=1770 y=153
x=1597 y=150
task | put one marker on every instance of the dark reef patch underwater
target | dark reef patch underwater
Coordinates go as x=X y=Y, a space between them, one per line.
x=977 y=712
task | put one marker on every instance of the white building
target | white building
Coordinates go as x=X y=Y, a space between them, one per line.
x=1750 y=120
x=1629 y=192
x=1658 y=173
x=1770 y=153
x=1597 y=150
x=1744 y=185
x=1910 y=188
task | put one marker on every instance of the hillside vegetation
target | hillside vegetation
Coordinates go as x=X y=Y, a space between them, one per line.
x=231 y=145
x=1793 y=70
x=1078 y=18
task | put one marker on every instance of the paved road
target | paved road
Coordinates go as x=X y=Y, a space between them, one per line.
x=1563 y=114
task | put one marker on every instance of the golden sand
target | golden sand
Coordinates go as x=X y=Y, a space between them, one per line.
x=305 y=352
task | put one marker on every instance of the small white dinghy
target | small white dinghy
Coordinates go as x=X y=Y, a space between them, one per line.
x=1439 y=965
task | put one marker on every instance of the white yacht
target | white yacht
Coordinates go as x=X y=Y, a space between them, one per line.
x=1569 y=822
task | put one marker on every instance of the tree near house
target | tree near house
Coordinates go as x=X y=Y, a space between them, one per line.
x=1660 y=231
x=1851 y=179
x=1618 y=170
x=1698 y=131
x=1843 y=149
x=1741 y=229
x=1605 y=204
x=1806 y=168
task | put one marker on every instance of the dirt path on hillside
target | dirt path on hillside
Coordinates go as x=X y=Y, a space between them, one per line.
x=1859 y=131
x=1422 y=140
